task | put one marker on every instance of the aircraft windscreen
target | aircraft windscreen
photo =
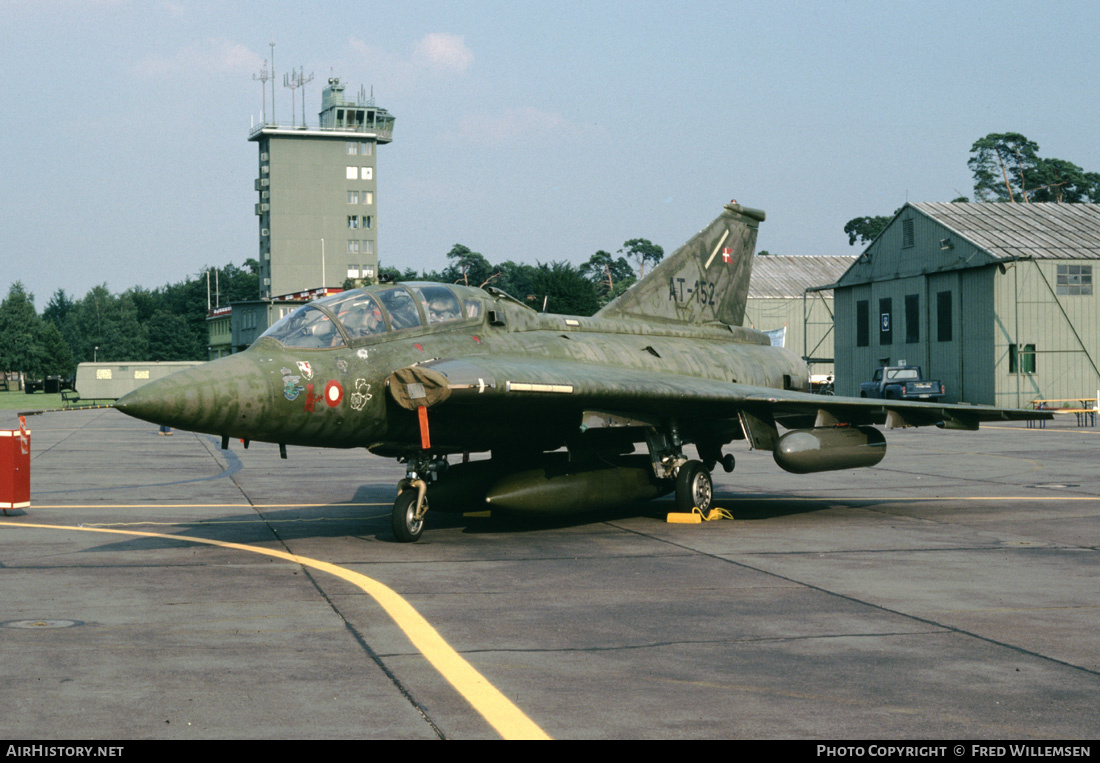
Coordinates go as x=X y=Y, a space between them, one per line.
x=306 y=327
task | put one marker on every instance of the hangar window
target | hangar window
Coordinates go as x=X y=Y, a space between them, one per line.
x=943 y=316
x=886 y=321
x=863 y=318
x=906 y=233
x=1074 y=280
x=1021 y=358
x=912 y=318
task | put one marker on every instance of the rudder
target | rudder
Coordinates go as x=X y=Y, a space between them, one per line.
x=705 y=280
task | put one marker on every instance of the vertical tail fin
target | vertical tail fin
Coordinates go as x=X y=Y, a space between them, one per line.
x=705 y=280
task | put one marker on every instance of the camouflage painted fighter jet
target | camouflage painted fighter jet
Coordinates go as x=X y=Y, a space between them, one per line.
x=426 y=371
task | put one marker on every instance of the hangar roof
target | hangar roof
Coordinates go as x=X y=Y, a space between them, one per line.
x=786 y=276
x=1020 y=231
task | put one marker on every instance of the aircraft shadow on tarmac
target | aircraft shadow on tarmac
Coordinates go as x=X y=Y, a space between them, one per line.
x=367 y=516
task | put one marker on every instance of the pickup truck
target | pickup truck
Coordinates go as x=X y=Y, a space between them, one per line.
x=901 y=383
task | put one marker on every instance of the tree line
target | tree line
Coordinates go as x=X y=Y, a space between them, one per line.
x=169 y=323
x=556 y=287
x=1006 y=167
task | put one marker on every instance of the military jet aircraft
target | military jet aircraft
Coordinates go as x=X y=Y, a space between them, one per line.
x=425 y=372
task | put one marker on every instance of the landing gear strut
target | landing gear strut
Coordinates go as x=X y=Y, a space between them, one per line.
x=407 y=519
x=690 y=478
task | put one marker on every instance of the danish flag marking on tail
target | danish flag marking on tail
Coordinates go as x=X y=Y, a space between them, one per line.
x=720 y=242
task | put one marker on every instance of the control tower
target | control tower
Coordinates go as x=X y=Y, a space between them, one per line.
x=318 y=194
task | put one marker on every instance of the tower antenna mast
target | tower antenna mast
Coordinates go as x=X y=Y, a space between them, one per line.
x=263 y=77
x=302 y=80
x=272 y=44
x=291 y=81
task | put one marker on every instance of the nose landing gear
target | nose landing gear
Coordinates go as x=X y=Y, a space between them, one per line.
x=409 y=510
x=407 y=519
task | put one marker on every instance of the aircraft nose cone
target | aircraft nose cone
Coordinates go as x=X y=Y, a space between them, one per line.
x=224 y=396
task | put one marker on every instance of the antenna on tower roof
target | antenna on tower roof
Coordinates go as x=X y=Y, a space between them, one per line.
x=263 y=77
x=272 y=44
x=302 y=84
x=291 y=81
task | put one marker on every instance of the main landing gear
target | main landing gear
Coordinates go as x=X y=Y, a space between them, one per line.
x=411 y=505
x=690 y=478
x=694 y=488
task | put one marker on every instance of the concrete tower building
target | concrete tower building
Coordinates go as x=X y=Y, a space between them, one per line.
x=318 y=200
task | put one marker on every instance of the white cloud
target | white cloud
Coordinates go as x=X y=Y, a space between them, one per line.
x=434 y=54
x=443 y=52
x=210 y=56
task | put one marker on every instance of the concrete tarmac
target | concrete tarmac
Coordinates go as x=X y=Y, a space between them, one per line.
x=950 y=592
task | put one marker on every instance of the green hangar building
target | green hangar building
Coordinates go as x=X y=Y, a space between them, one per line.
x=783 y=300
x=995 y=300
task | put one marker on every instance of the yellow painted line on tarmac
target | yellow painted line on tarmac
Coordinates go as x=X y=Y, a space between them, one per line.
x=1079 y=430
x=903 y=499
x=198 y=505
x=508 y=720
x=225 y=522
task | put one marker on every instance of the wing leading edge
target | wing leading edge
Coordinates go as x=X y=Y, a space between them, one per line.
x=541 y=386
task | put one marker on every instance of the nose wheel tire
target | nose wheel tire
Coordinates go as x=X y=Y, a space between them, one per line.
x=407 y=526
x=694 y=489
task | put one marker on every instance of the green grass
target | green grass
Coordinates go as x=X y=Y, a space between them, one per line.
x=21 y=401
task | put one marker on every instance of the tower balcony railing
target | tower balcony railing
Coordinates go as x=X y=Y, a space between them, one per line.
x=382 y=131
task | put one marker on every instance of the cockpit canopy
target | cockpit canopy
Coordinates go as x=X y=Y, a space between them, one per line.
x=349 y=316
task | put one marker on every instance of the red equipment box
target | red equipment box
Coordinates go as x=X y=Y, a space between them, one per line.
x=15 y=467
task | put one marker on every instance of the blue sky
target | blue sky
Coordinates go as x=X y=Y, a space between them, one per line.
x=530 y=131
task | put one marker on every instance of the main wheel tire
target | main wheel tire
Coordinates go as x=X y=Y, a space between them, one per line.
x=694 y=489
x=406 y=527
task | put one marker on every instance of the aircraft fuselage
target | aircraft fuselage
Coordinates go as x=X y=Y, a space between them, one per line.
x=337 y=396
